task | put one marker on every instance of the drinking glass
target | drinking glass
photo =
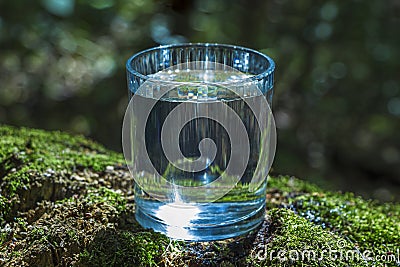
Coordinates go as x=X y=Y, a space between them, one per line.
x=199 y=138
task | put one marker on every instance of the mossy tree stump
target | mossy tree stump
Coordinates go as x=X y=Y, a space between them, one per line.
x=67 y=201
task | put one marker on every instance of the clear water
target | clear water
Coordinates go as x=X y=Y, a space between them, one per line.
x=237 y=212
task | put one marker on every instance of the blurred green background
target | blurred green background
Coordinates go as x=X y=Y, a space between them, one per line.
x=337 y=92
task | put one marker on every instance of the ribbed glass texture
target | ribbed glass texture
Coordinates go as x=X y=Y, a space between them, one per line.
x=239 y=58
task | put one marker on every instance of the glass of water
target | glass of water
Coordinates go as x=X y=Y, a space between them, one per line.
x=199 y=138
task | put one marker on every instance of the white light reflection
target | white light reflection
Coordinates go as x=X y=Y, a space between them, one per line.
x=178 y=217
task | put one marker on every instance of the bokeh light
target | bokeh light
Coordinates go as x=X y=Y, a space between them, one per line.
x=337 y=93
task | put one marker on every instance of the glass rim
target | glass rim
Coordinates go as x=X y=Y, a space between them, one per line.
x=267 y=72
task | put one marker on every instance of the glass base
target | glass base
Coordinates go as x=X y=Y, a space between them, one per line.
x=207 y=222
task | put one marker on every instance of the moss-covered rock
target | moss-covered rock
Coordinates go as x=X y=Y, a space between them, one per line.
x=67 y=201
x=36 y=165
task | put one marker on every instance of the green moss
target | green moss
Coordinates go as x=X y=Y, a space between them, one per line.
x=372 y=226
x=96 y=226
x=294 y=241
x=27 y=153
x=68 y=226
x=289 y=185
x=104 y=195
x=100 y=195
x=125 y=248
x=3 y=202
